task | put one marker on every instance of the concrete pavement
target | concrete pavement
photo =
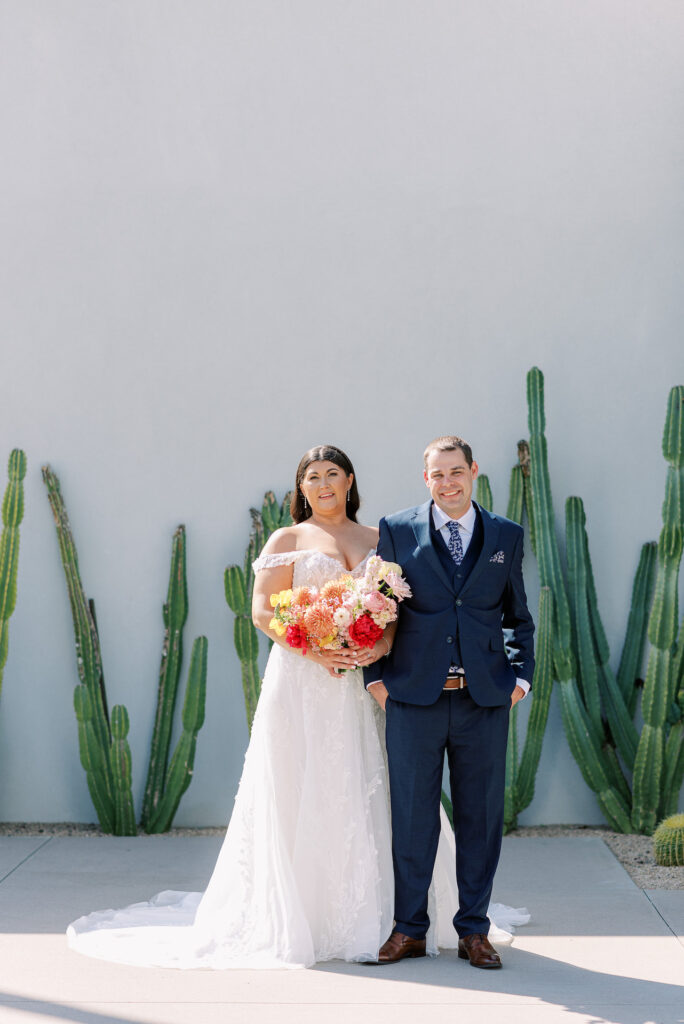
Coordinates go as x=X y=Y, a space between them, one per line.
x=598 y=949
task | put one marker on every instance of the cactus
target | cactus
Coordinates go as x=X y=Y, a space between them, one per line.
x=595 y=677
x=668 y=841
x=521 y=772
x=239 y=585
x=179 y=775
x=12 y=515
x=484 y=492
x=591 y=749
x=660 y=687
x=598 y=706
x=120 y=759
x=94 y=760
x=635 y=635
x=95 y=723
x=104 y=749
x=174 y=614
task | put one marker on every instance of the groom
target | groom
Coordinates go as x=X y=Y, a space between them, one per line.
x=448 y=684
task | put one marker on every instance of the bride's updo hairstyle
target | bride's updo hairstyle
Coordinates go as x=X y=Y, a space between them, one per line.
x=323 y=453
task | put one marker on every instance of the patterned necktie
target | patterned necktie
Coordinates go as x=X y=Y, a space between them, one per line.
x=455 y=542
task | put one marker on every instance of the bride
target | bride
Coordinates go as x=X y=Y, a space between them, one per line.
x=305 y=871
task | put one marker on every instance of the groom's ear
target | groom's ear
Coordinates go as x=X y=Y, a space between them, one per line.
x=474 y=469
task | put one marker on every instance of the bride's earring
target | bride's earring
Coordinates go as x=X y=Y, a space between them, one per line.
x=306 y=503
x=348 y=495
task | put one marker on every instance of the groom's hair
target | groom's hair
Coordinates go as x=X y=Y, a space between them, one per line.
x=449 y=444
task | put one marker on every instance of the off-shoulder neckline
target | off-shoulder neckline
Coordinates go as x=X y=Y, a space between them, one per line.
x=331 y=558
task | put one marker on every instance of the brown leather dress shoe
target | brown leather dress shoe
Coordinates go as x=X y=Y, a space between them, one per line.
x=479 y=950
x=400 y=947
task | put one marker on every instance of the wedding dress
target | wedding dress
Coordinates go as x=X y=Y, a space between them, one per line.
x=305 y=870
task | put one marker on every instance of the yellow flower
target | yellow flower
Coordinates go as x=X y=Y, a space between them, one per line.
x=391 y=567
x=277 y=627
x=284 y=599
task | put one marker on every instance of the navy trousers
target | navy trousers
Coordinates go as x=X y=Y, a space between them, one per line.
x=475 y=740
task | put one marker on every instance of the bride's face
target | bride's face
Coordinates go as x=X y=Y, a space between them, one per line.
x=325 y=487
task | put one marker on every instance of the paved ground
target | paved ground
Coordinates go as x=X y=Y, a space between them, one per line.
x=598 y=949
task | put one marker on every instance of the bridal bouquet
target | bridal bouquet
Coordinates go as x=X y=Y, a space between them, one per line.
x=348 y=610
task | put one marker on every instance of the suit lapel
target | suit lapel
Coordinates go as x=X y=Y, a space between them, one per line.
x=490 y=529
x=421 y=529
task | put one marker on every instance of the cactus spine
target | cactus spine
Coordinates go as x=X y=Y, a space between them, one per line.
x=668 y=841
x=174 y=614
x=661 y=678
x=179 y=775
x=104 y=749
x=239 y=585
x=12 y=515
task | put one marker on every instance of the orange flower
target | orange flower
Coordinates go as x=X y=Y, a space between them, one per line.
x=302 y=596
x=335 y=590
x=319 y=623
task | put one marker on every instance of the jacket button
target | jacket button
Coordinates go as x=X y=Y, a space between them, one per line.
x=450 y=639
x=459 y=602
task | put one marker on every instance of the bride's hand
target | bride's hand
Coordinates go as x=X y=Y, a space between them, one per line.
x=345 y=658
x=368 y=655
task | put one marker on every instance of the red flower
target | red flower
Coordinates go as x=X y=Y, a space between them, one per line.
x=296 y=637
x=364 y=632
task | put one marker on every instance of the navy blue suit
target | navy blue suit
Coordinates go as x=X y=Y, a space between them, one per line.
x=456 y=614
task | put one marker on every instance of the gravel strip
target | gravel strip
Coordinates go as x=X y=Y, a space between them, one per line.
x=635 y=853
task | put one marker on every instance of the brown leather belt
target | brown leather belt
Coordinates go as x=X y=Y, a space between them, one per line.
x=455 y=683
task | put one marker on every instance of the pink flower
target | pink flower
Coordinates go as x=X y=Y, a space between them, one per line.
x=398 y=585
x=374 y=602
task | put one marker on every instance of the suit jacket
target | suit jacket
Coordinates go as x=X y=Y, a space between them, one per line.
x=456 y=615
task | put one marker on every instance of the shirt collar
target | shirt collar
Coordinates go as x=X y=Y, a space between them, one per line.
x=466 y=522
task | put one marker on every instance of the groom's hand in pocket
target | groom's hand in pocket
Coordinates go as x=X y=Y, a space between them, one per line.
x=517 y=695
x=379 y=692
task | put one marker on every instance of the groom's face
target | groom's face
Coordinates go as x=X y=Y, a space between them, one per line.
x=450 y=479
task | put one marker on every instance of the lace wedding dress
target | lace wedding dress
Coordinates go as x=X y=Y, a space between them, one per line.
x=305 y=870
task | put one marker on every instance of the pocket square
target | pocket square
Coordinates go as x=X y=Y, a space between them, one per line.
x=497 y=557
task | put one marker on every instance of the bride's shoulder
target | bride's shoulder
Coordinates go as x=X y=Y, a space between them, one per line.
x=282 y=540
x=370 y=535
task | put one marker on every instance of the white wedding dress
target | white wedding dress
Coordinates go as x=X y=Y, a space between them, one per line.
x=305 y=870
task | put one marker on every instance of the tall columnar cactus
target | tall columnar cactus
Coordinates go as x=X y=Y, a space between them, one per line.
x=660 y=688
x=179 y=775
x=12 y=515
x=239 y=586
x=484 y=492
x=521 y=771
x=91 y=712
x=95 y=760
x=104 y=749
x=120 y=760
x=174 y=614
x=598 y=706
x=599 y=765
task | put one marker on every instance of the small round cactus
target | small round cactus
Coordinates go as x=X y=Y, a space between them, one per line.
x=668 y=841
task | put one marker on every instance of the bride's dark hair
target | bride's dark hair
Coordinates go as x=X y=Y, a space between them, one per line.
x=323 y=453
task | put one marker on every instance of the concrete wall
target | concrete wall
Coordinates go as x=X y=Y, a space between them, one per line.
x=234 y=230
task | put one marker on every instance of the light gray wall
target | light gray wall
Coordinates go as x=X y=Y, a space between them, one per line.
x=230 y=231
